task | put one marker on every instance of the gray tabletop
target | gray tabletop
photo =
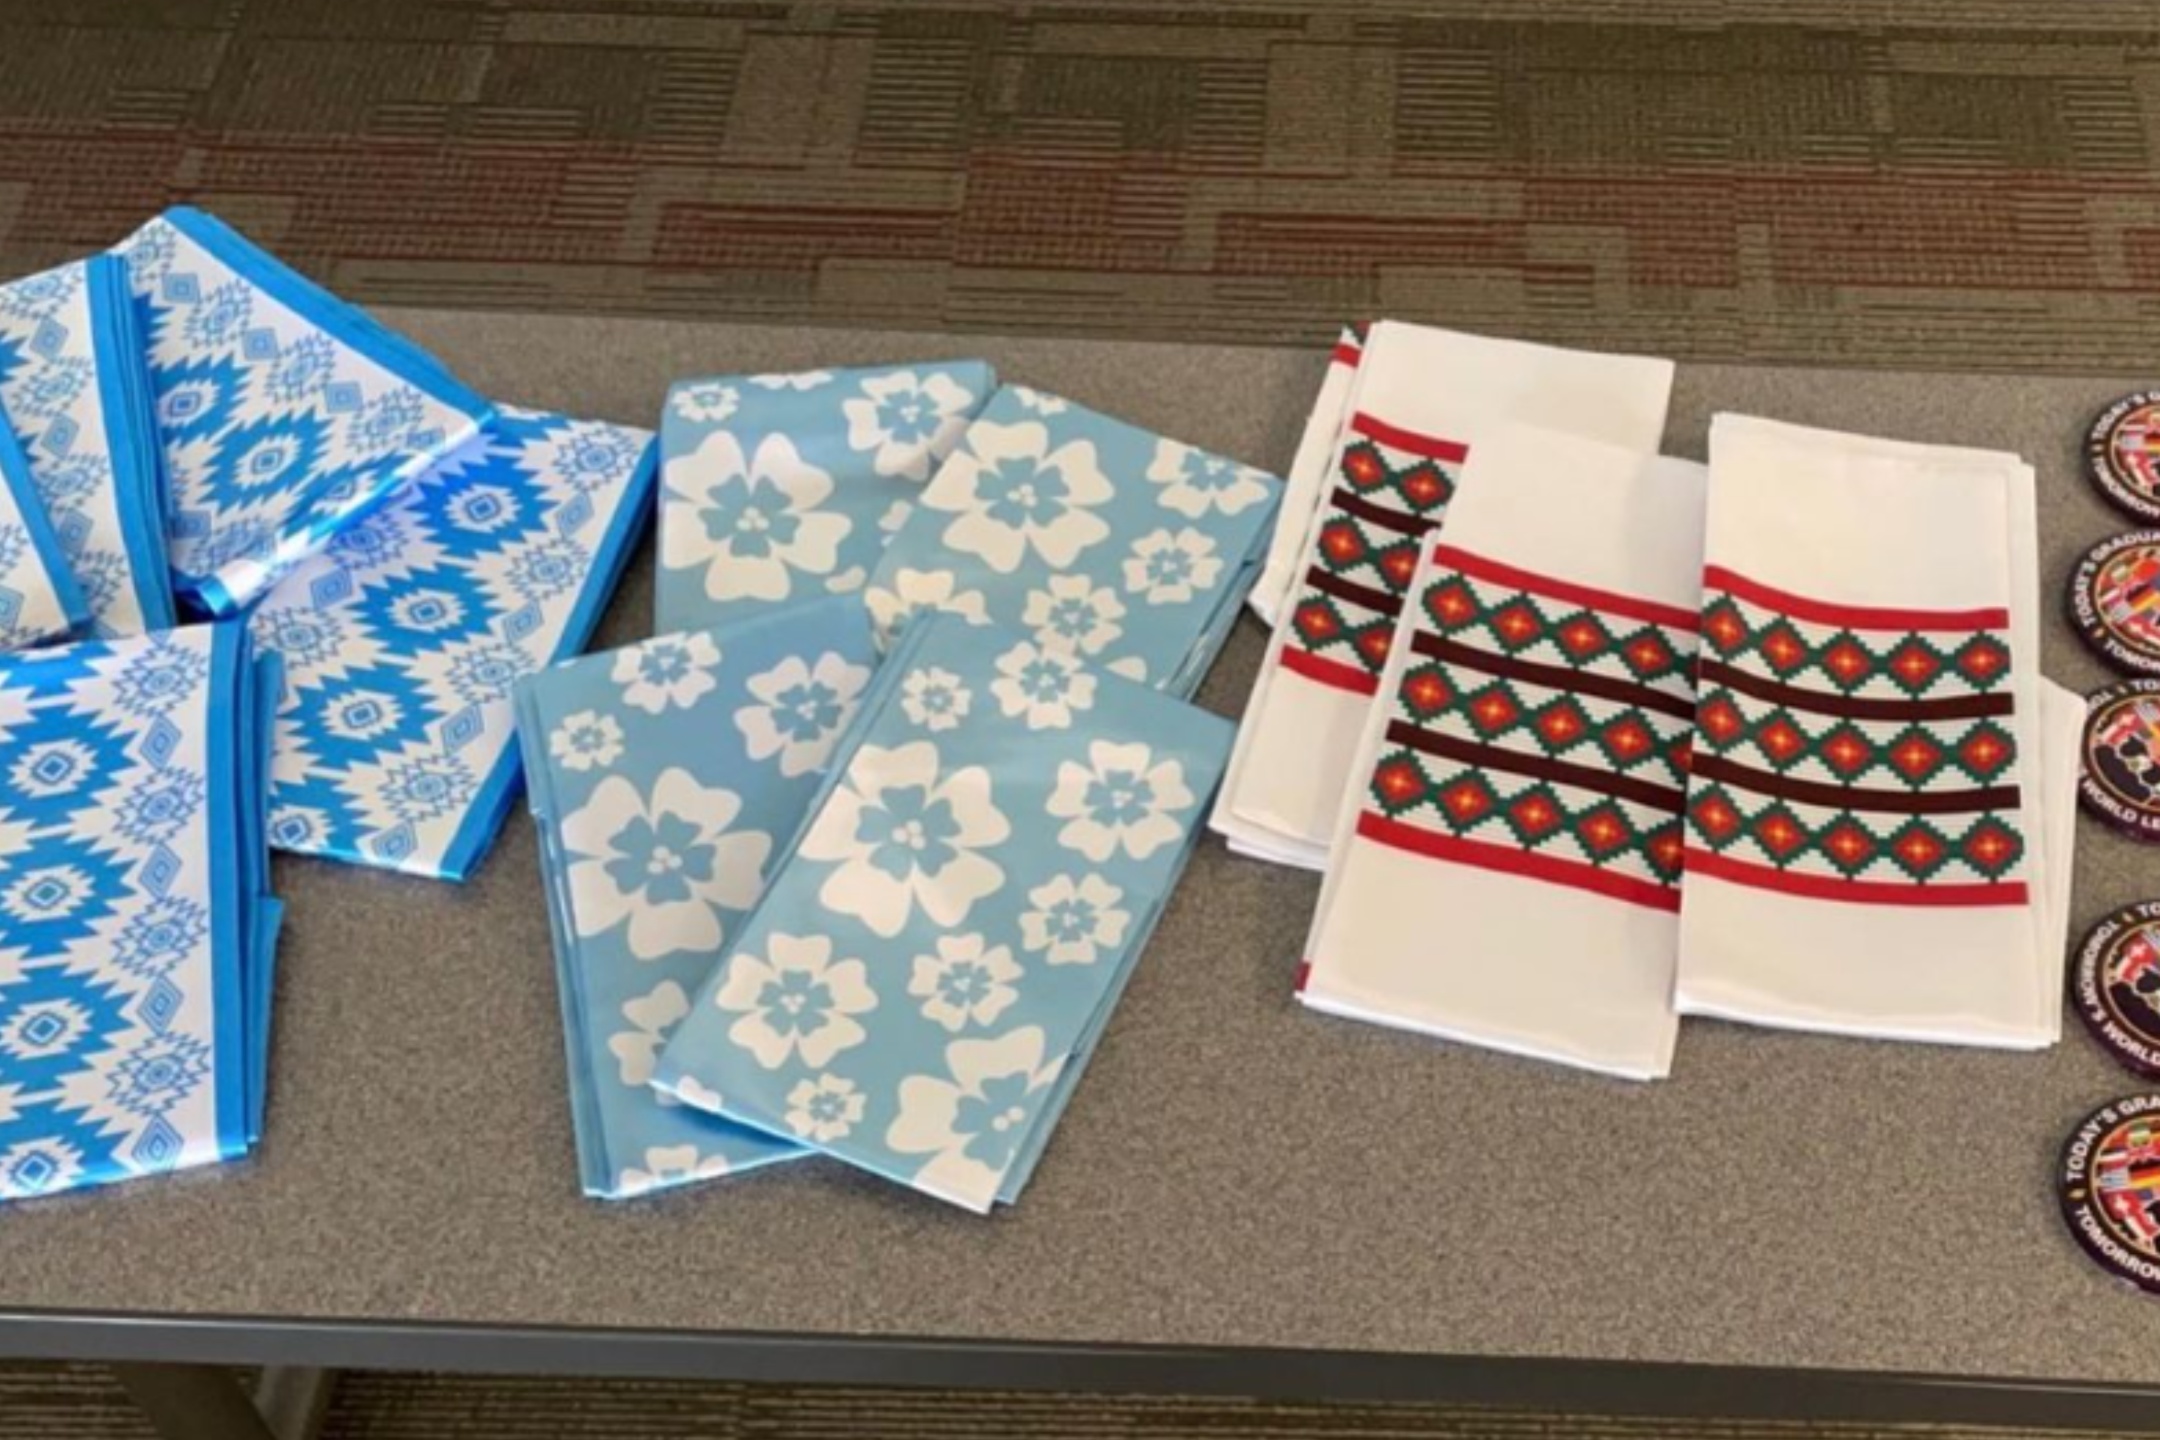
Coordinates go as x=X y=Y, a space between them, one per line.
x=1233 y=1171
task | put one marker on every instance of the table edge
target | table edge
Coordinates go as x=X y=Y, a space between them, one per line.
x=1608 y=1387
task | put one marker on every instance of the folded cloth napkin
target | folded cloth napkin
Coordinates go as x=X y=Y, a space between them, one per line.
x=1098 y=538
x=1507 y=870
x=918 y=991
x=1420 y=402
x=395 y=736
x=39 y=599
x=283 y=413
x=1306 y=484
x=1867 y=847
x=75 y=389
x=780 y=488
x=664 y=780
x=134 y=898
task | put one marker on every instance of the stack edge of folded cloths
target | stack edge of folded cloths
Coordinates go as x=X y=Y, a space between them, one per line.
x=1402 y=413
x=137 y=931
x=1764 y=740
x=194 y=430
x=808 y=898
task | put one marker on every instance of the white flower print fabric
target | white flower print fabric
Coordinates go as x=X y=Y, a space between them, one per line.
x=77 y=394
x=283 y=413
x=937 y=953
x=396 y=735
x=134 y=898
x=779 y=489
x=1095 y=537
x=665 y=779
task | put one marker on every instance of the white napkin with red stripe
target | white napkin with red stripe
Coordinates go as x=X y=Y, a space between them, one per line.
x=1420 y=399
x=1875 y=844
x=1505 y=871
x=1305 y=483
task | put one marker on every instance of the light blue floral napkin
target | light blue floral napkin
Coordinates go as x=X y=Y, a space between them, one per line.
x=39 y=599
x=780 y=488
x=1095 y=537
x=396 y=733
x=284 y=413
x=136 y=927
x=75 y=390
x=922 y=984
x=664 y=779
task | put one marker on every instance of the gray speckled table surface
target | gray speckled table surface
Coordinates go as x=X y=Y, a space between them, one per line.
x=1233 y=1171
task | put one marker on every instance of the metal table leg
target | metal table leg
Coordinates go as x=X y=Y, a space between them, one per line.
x=194 y=1402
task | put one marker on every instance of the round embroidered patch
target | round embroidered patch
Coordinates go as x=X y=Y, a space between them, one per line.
x=2114 y=600
x=2122 y=454
x=2120 y=777
x=2115 y=985
x=2109 y=1185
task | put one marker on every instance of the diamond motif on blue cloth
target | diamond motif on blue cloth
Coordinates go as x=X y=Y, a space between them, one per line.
x=54 y=1020
x=130 y=945
x=159 y=1146
x=264 y=389
x=159 y=936
x=365 y=712
x=481 y=572
x=54 y=891
x=424 y=608
x=56 y=764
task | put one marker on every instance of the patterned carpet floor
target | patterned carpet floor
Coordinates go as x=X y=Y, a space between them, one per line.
x=81 y=1402
x=1934 y=183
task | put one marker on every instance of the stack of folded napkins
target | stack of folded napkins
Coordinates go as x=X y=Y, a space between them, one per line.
x=777 y=489
x=404 y=638
x=135 y=979
x=811 y=898
x=939 y=949
x=1546 y=841
x=1094 y=537
x=1404 y=413
x=1879 y=811
x=665 y=779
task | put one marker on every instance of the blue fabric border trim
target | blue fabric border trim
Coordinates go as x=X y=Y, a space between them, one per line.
x=264 y=913
x=348 y=323
x=131 y=435
x=228 y=714
x=585 y=1117
x=499 y=791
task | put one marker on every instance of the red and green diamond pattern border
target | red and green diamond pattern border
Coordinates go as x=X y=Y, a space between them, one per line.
x=1851 y=662
x=1933 y=756
x=1453 y=699
x=1527 y=626
x=1364 y=554
x=1529 y=814
x=1908 y=850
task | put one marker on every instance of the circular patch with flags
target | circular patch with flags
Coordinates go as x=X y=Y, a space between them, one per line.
x=2109 y=1186
x=2114 y=600
x=2120 y=776
x=2115 y=985
x=2122 y=454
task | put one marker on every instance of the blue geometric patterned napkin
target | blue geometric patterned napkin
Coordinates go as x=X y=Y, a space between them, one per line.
x=781 y=488
x=920 y=989
x=1095 y=537
x=283 y=412
x=403 y=639
x=138 y=929
x=39 y=599
x=664 y=778
x=75 y=389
